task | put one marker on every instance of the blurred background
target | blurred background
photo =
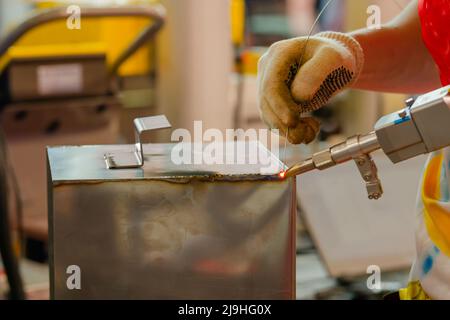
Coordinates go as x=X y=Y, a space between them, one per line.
x=201 y=65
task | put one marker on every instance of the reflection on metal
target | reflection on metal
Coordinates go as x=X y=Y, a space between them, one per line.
x=167 y=231
x=135 y=159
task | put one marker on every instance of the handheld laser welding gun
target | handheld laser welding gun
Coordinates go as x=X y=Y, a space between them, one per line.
x=421 y=127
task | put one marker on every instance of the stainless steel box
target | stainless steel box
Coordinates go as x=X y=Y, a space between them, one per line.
x=167 y=231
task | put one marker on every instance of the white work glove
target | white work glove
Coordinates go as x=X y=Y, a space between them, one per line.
x=290 y=84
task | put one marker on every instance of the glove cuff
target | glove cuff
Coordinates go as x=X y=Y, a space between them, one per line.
x=350 y=43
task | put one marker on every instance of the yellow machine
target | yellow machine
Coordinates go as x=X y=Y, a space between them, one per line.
x=60 y=86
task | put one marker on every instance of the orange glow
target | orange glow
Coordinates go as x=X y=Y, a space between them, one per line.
x=282 y=174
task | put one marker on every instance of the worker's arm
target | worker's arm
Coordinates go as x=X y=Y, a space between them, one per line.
x=396 y=59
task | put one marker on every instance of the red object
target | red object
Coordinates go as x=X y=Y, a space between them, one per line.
x=435 y=19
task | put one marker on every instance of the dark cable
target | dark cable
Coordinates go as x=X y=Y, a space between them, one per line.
x=10 y=262
x=19 y=206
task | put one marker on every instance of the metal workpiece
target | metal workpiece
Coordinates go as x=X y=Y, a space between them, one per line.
x=167 y=231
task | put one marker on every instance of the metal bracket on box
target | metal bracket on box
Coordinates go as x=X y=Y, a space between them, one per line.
x=135 y=159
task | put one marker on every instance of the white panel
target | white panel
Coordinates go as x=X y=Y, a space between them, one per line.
x=60 y=79
x=195 y=64
x=353 y=232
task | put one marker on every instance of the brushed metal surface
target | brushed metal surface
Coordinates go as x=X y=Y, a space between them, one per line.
x=169 y=232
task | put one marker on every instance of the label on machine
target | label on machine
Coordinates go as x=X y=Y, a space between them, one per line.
x=60 y=79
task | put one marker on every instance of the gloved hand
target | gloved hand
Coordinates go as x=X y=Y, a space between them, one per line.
x=293 y=81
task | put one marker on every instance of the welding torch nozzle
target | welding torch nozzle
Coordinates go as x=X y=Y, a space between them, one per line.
x=303 y=167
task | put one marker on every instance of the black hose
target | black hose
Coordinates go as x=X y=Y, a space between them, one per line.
x=10 y=262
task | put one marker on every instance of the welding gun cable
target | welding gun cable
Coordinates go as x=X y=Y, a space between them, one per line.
x=19 y=206
x=10 y=262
